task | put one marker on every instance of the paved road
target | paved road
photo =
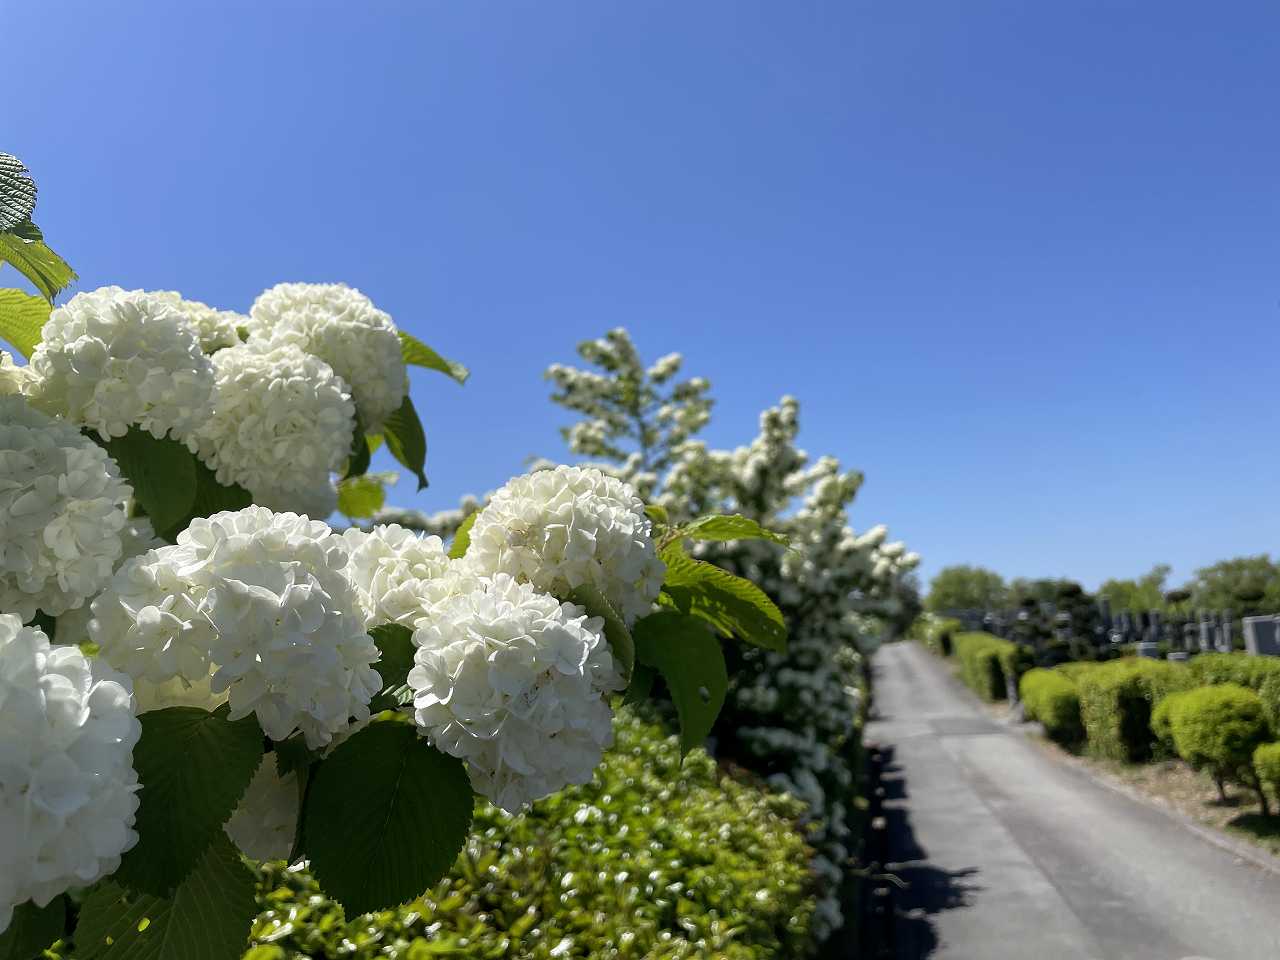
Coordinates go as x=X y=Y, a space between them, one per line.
x=1013 y=854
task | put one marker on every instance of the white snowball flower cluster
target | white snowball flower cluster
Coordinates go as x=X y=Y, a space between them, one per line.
x=514 y=682
x=261 y=601
x=67 y=783
x=113 y=358
x=392 y=569
x=282 y=421
x=342 y=327
x=136 y=538
x=215 y=328
x=266 y=820
x=13 y=378
x=62 y=510
x=561 y=528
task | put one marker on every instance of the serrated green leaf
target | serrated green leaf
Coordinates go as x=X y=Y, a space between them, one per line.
x=194 y=767
x=385 y=818
x=730 y=527
x=33 y=928
x=293 y=755
x=17 y=192
x=395 y=644
x=656 y=513
x=734 y=606
x=207 y=918
x=406 y=440
x=363 y=496
x=161 y=472
x=462 y=539
x=22 y=318
x=615 y=630
x=418 y=354
x=24 y=249
x=691 y=662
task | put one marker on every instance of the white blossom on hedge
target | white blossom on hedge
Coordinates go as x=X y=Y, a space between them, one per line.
x=388 y=567
x=341 y=326
x=67 y=783
x=62 y=511
x=559 y=529
x=514 y=682
x=282 y=423
x=215 y=328
x=113 y=358
x=266 y=820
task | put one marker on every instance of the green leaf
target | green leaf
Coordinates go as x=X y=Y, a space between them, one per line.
x=213 y=497
x=293 y=755
x=734 y=606
x=462 y=539
x=363 y=496
x=22 y=318
x=361 y=452
x=33 y=928
x=690 y=660
x=17 y=192
x=194 y=767
x=615 y=630
x=641 y=686
x=395 y=643
x=730 y=527
x=386 y=816
x=24 y=249
x=418 y=354
x=161 y=472
x=207 y=918
x=406 y=441
x=656 y=513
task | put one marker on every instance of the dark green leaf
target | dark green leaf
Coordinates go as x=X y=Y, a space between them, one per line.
x=641 y=686
x=395 y=643
x=194 y=767
x=691 y=662
x=24 y=249
x=293 y=755
x=33 y=928
x=734 y=527
x=17 y=192
x=22 y=318
x=362 y=496
x=386 y=816
x=462 y=539
x=615 y=631
x=161 y=472
x=418 y=354
x=734 y=606
x=207 y=918
x=406 y=441
x=361 y=452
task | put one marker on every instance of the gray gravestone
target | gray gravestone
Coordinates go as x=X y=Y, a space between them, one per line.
x=1206 y=633
x=1148 y=649
x=1188 y=636
x=1262 y=636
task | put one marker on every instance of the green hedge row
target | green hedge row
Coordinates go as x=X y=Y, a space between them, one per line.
x=938 y=634
x=1116 y=700
x=986 y=662
x=653 y=859
x=1051 y=698
x=1219 y=729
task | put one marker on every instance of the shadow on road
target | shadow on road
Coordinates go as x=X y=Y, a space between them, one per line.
x=926 y=889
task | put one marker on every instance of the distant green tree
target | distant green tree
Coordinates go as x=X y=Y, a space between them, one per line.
x=1148 y=592
x=964 y=587
x=1244 y=585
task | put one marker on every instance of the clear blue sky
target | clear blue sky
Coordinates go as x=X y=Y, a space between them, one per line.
x=1020 y=261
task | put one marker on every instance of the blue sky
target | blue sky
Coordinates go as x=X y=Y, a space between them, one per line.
x=1018 y=260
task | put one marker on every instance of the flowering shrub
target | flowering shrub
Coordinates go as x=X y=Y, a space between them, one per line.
x=247 y=677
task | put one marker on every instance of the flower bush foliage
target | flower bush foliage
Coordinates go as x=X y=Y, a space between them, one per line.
x=245 y=675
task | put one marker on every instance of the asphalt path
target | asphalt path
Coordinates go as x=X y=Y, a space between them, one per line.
x=1011 y=853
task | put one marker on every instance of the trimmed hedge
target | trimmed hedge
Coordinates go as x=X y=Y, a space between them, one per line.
x=1051 y=698
x=1266 y=763
x=652 y=859
x=1116 y=700
x=985 y=662
x=938 y=633
x=1211 y=669
x=1162 y=723
x=1218 y=729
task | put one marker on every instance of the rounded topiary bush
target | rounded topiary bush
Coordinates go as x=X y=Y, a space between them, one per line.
x=1052 y=699
x=1162 y=722
x=1266 y=764
x=651 y=859
x=1217 y=729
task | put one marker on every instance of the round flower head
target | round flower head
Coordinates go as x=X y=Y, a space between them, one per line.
x=388 y=566
x=215 y=329
x=514 y=682
x=341 y=326
x=67 y=783
x=266 y=820
x=282 y=422
x=113 y=358
x=561 y=528
x=61 y=513
x=137 y=537
x=289 y=641
x=13 y=378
